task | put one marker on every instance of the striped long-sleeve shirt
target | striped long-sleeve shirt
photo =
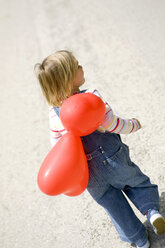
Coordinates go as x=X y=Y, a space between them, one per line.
x=111 y=122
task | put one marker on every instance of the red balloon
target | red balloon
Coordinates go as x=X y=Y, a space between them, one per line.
x=82 y=113
x=65 y=168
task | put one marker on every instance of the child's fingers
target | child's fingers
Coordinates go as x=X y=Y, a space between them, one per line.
x=138 y=122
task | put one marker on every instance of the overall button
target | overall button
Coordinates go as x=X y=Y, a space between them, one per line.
x=102 y=151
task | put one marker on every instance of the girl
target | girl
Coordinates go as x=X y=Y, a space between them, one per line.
x=111 y=172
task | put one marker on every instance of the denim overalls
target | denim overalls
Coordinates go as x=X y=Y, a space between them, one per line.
x=111 y=172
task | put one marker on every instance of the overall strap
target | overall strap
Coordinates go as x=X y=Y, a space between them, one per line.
x=57 y=109
x=82 y=91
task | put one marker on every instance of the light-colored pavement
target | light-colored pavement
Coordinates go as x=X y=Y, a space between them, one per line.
x=120 y=43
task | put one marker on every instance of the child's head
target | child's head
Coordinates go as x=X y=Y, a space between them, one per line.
x=56 y=75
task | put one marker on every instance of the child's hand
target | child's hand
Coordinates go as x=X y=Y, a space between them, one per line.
x=138 y=122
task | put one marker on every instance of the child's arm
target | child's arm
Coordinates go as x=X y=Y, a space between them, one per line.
x=56 y=127
x=54 y=140
x=115 y=124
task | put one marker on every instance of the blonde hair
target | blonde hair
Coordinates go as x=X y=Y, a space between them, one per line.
x=56 y=74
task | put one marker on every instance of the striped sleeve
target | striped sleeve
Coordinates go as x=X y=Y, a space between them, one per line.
x=56 y=127
x=115 y=124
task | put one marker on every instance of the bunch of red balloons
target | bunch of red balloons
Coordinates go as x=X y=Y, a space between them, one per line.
x=65 y=168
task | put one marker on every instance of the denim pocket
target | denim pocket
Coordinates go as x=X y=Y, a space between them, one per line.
x=117 y=154
x=120 y=158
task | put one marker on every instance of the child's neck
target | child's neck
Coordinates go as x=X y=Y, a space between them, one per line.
x=76 y=90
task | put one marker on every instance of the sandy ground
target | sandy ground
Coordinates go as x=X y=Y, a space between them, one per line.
x=120 y=43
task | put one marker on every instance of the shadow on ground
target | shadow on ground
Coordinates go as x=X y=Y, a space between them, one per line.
x=157 y=241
